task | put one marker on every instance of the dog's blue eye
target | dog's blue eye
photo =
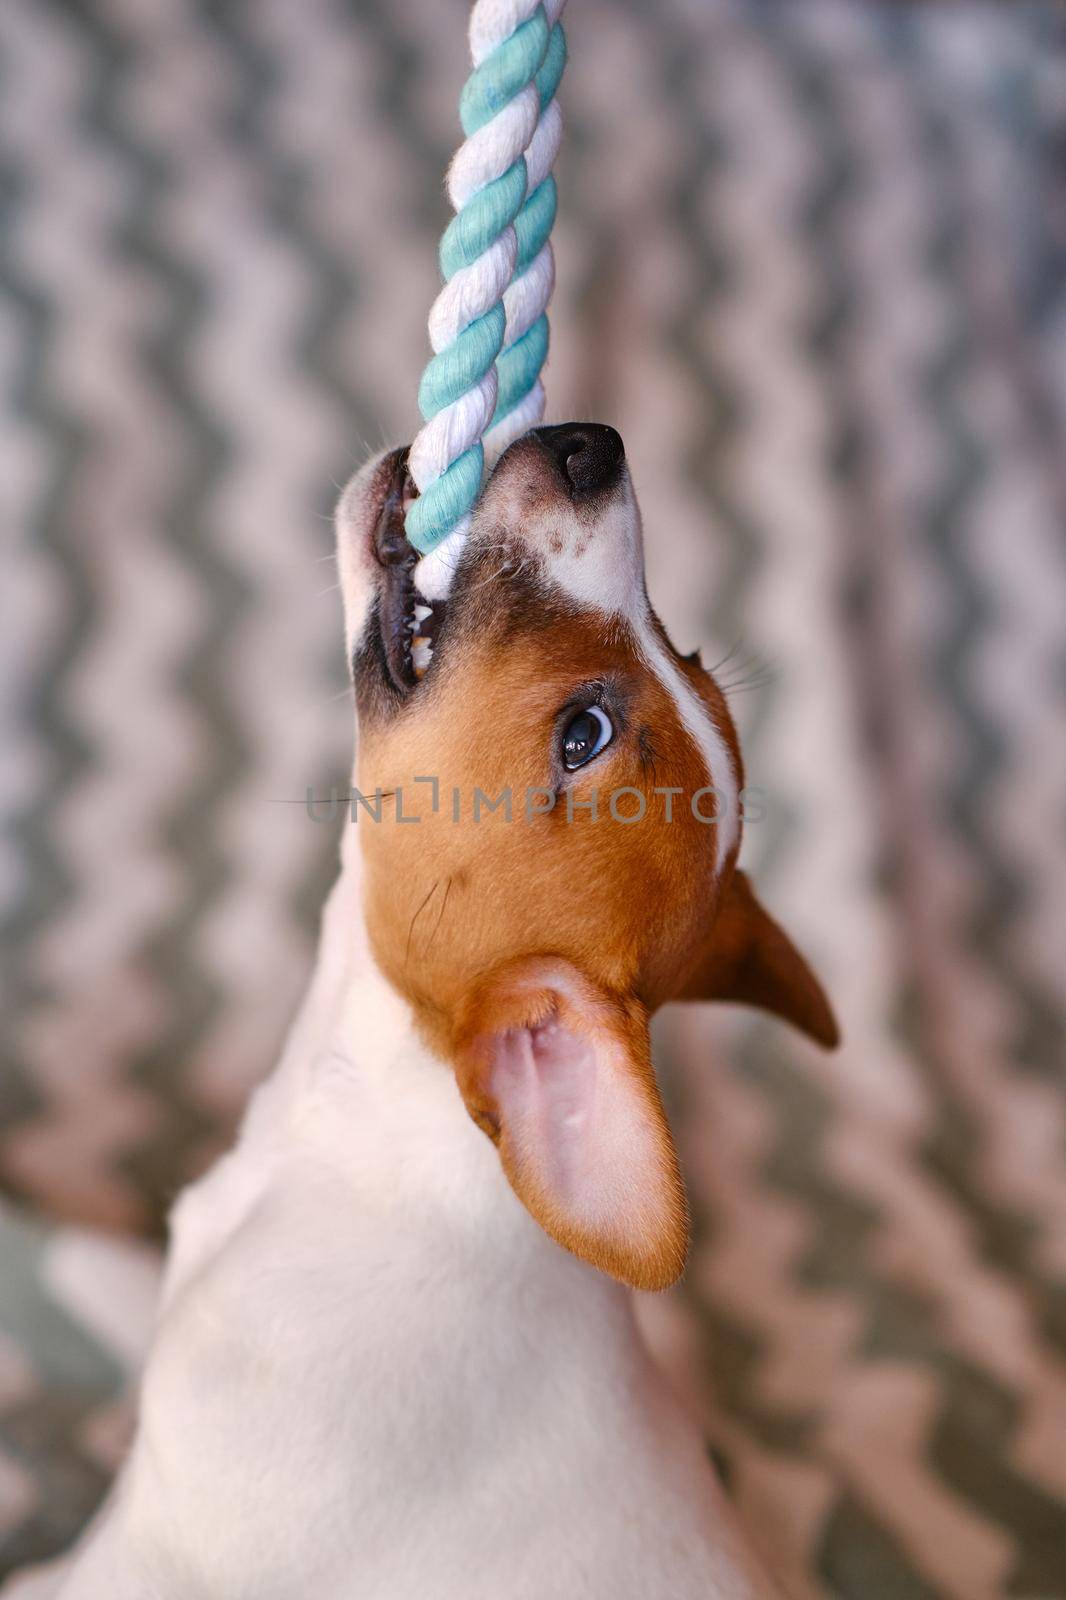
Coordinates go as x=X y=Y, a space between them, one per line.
x=585 y=736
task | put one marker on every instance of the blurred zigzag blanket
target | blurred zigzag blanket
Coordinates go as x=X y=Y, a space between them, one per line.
x=834 y=235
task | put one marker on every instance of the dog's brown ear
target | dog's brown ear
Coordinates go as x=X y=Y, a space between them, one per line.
x=558 y=1073
x=749 y=958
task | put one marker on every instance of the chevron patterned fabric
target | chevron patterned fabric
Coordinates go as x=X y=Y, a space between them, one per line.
x=811 y=265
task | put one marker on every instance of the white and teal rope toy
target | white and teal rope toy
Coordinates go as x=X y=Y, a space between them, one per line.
x=488 y=326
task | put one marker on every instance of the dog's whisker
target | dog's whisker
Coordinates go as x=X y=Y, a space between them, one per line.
x=763 y=673
x=730 y=653
x=417 y=914
x=440 y=916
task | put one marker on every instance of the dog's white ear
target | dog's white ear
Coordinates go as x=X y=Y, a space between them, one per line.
x=558 y=1073
x=750 y=958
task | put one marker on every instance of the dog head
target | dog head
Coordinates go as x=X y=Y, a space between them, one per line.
x=552 y=814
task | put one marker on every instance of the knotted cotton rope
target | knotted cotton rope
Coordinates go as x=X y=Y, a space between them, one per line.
x=488 y=326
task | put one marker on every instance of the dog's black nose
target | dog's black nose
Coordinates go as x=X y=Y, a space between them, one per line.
x=588 y=453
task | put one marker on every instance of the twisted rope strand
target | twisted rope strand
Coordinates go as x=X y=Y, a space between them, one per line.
x=504 y=199
x=520 y=397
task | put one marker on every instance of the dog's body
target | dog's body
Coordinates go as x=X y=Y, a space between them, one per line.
x=375 y=1377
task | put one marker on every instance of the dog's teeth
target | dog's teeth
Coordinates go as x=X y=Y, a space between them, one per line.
x=422 y=612
x=421 y=654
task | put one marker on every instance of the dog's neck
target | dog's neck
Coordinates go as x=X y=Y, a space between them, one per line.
x=350 y=1010
x=375 y=1100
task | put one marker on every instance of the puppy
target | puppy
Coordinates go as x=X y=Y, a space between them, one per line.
x=396 y=1355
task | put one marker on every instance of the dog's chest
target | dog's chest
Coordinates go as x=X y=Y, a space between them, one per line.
x=386 y=1401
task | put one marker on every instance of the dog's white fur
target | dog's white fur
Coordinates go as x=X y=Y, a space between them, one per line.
x=374 y=1377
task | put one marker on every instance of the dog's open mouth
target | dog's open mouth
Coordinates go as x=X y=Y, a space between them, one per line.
x=409 y=624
